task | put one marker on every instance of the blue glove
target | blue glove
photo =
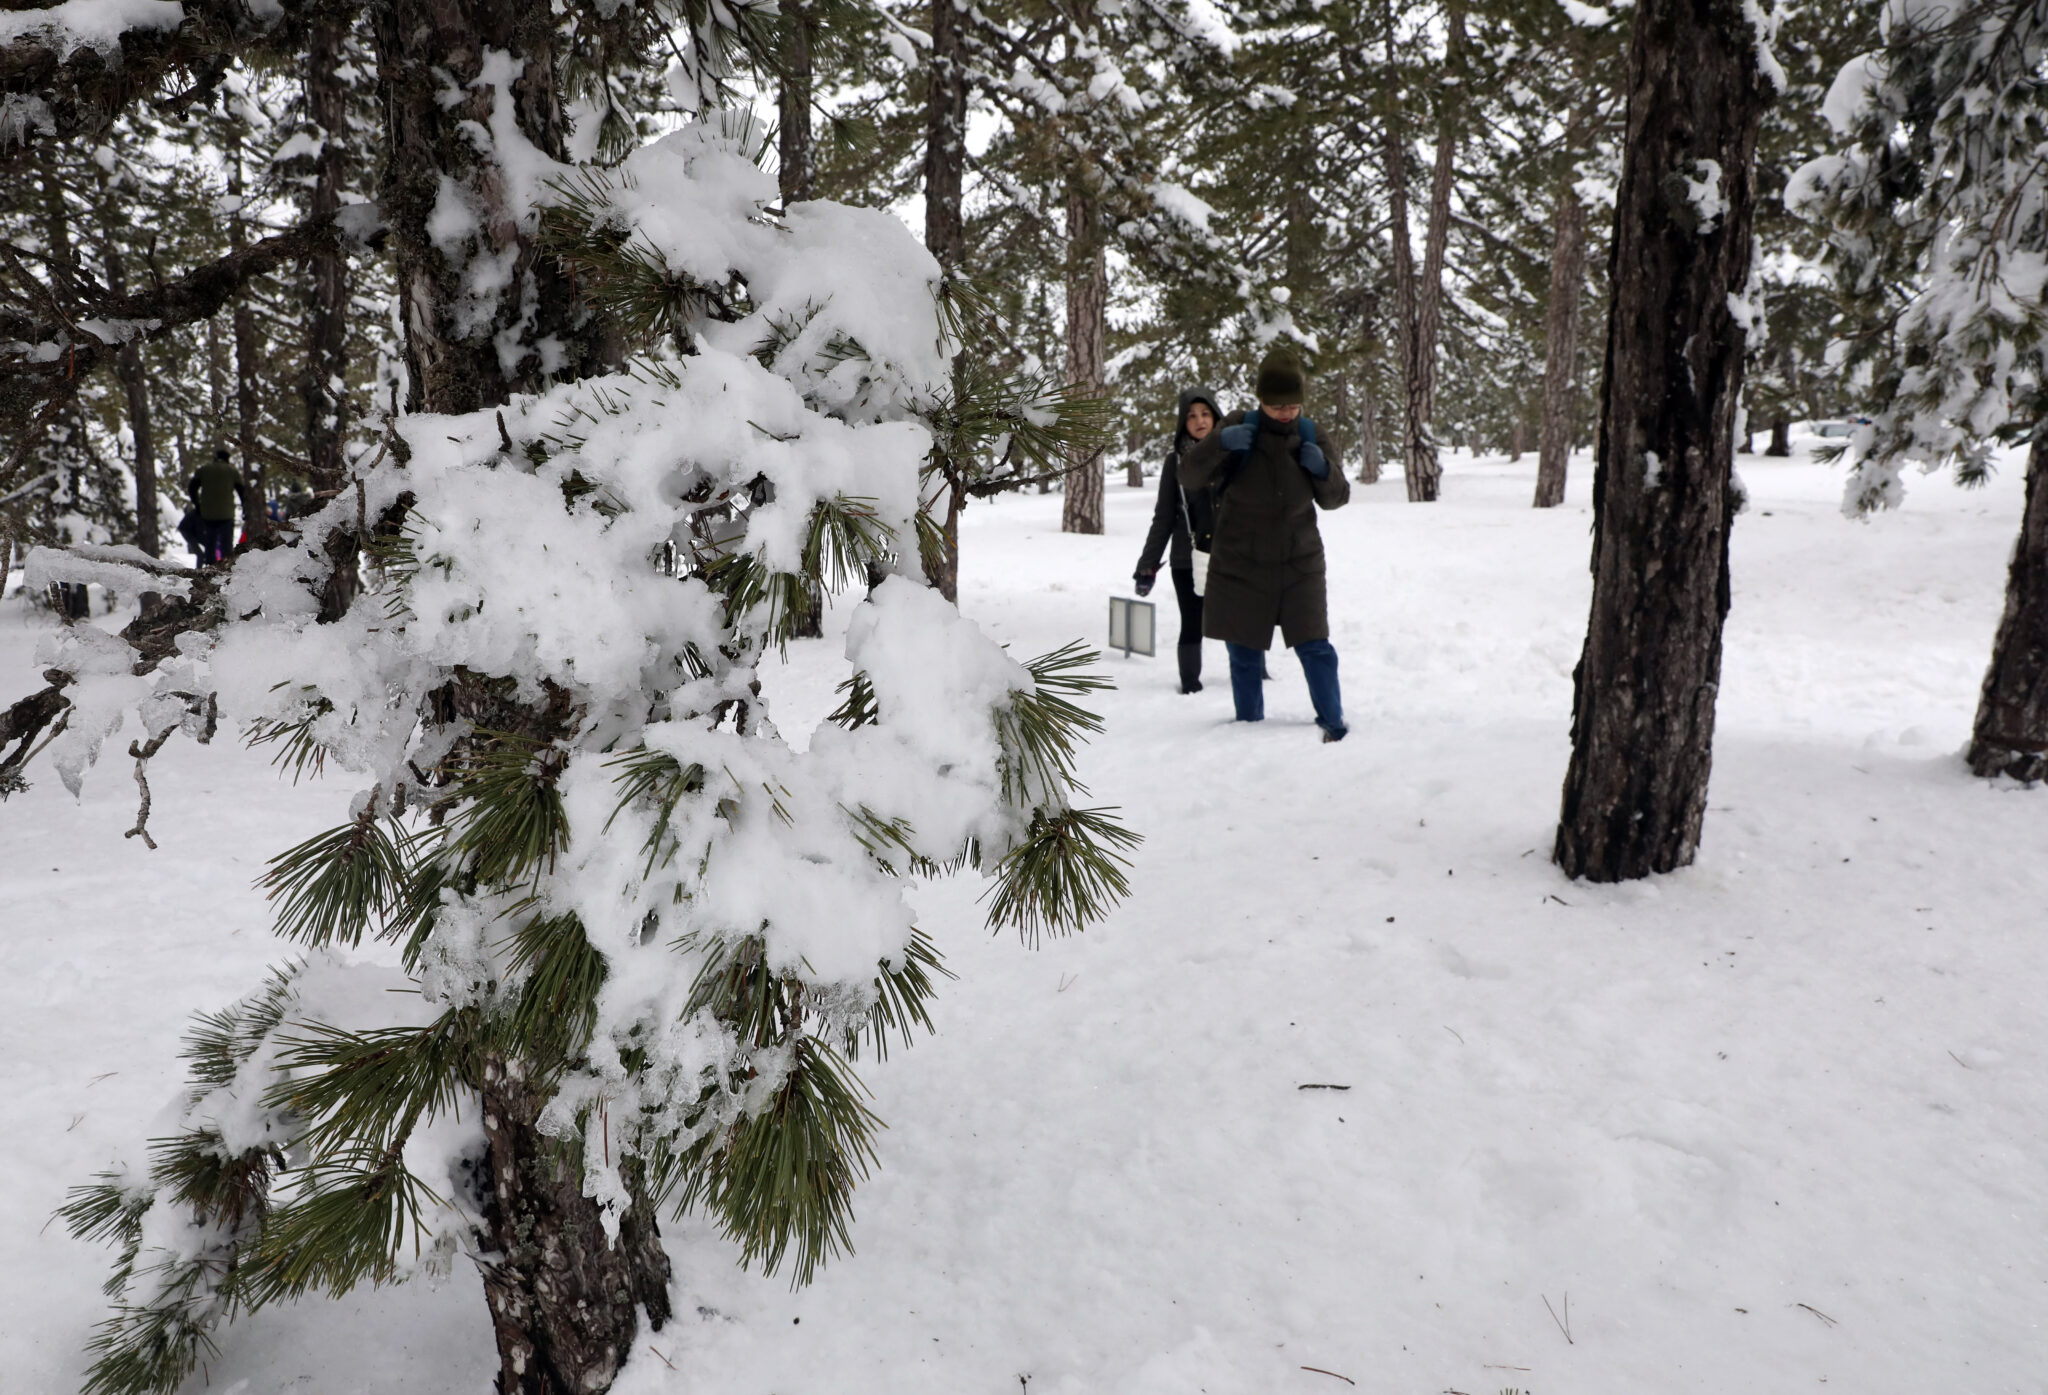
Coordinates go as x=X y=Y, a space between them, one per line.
x=1237 y=437
x=1312 y=460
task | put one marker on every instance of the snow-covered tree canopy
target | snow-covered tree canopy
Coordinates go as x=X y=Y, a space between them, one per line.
x=637 y=930
x=1938 y=232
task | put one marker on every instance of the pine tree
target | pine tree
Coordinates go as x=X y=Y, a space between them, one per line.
x=647 y=940
x=1938 y=220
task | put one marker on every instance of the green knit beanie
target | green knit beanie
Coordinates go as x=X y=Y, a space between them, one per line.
x=1280 y=379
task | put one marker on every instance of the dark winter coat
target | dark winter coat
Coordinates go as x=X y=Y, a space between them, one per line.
x=1175 y=509
x=1267 y=566
x=213 y=491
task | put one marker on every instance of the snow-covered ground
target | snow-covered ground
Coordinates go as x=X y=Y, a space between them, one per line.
x=1774 y=1123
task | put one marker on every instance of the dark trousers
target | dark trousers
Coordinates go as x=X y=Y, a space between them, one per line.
x=1189 y=649
x=216 y=538
x=1318 y=666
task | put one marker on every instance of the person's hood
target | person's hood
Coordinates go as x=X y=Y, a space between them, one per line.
x=1187 y=400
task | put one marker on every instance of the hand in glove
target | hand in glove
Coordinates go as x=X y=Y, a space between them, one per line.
x=1237 y=437
x=1145 y=580
x=1312 y=460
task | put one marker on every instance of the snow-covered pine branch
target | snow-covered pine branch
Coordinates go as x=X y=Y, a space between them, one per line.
x=639 y=923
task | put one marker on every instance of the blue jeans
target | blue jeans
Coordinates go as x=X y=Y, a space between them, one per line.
x=1318 y=666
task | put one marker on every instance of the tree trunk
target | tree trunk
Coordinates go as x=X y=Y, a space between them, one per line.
x=326 y=396
x=1368 y=433
x=1087 y=329
x=1635 y=793
x=945 y=236
x=562 y=1297
x=947 y=579
x=251 y=486
x=1560 y=347
x=798 y=173
x=1781 y=438
x=1414 y=419
x=1424 y=470
x=561 y=1292
x=945 y=127
x=796 y=179
x=2011 y=733
x=460 y=356
x=133 y=375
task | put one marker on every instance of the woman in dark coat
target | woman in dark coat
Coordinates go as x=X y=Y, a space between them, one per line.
x=1269 y=476
x=1183 y=521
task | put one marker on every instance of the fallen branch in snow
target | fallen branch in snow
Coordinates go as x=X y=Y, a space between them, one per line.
x=1321 y=1372
x=1817 y=1313
x=1564 y=1324
x=1322 y=1087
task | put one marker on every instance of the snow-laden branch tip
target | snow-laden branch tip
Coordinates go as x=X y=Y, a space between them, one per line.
x=1763 y=27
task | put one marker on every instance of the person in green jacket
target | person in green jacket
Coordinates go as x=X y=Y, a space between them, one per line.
x=213 y=490
x=1266 y=568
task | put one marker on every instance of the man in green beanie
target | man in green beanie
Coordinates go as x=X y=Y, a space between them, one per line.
x=213 y=493
x=1266 y=567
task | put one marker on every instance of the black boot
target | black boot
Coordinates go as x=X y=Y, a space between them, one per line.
x=1191 y=668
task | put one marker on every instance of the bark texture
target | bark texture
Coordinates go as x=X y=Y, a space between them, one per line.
x=945 y=151
x=251 y=483
x=1087 y=336
x=464 y=352
x=1560 y=347
x=797 y=179
x=133 y=374
x=793 y=139
x=2011 y=733
x=945 y=236
x=1643 y=710
x=327 y=305
x=1368 y=434
x=1424 y=471
x=562 y=1295
x=1412 y=424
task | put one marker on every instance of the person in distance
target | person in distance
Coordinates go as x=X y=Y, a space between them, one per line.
x=1184 y=523
x=1268 y=477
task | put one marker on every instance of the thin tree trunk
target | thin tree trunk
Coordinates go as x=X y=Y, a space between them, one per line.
x=250 y=485
x=1425 y=471
x=1414 y=420
x=1560 y=347
x=326 y=395
x=133 y=374
x=1087 y=329
x=1368 y=433
x=945 y=236
x=947 y=579
x=798 y=174
x=1404 y=302
x=2011 y=732
x=562 y=1296
x=1635 y=793
x=1781 y=438
x=796 y=179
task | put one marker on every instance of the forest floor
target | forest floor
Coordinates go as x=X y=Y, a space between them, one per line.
x=1770 y=1124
